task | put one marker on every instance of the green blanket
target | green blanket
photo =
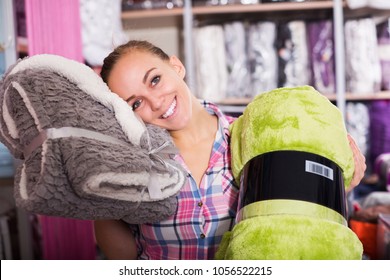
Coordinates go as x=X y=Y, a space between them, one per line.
x=299 y=119
x=290 y=119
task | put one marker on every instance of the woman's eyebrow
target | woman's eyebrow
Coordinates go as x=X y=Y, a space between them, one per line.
x=147 y=74
x=143 y=80
x=128 y=99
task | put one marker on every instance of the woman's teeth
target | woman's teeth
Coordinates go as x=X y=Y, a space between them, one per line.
x=170 y=110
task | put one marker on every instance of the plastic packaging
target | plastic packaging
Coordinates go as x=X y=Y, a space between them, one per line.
x=293 y=175
x=211 y=71
x=239 y=79
x=383 y=32
x=358 y=124
x=294 y=68
x=362 y=66
x=321 y=51
x=142 y=4
x=262 y=56
x=379 y=128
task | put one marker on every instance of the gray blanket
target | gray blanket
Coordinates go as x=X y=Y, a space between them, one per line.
x=84 y=152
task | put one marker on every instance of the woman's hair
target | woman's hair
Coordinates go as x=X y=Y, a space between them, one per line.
x=133 y=45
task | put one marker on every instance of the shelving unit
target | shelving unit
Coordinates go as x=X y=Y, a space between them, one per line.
x=189 y=13
x=229 y=9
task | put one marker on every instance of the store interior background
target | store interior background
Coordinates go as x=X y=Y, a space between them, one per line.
x=166 y=24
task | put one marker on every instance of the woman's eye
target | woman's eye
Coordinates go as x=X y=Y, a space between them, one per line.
x=136 y=104
x=155 y=80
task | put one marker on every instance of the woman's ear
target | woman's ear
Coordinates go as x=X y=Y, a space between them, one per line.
x=178 y=66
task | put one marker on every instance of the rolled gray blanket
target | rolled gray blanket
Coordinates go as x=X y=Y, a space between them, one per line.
x=85 y=153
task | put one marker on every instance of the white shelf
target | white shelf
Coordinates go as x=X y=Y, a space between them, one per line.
x=152 y=13
x=265 y=7
x=229 y=9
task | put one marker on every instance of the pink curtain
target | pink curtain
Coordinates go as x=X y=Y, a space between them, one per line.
x=54 y=27
x=67 y=239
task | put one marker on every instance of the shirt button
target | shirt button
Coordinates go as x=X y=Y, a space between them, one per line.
x=202 y=235
x=200 y=203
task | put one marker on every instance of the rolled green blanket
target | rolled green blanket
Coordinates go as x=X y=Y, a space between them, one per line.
x=292 y=159
x=290 y=237
x=299 y=119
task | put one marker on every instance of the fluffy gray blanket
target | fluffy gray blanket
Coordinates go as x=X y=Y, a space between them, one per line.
x=84 y=152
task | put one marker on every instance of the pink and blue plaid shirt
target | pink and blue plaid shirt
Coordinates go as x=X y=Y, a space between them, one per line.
x=204 y=212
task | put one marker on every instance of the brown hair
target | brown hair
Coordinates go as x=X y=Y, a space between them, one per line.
x=110 y=61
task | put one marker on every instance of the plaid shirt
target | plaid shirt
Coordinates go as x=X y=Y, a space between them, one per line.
x=204 y=212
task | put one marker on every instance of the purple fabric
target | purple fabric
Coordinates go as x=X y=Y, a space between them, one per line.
x=321 y=49
x=20 y=14
x=382 y=169
x=379 y=129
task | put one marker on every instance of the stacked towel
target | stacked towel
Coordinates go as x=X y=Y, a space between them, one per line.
x=293 y=54
x=362 y=56
x=85 y=153
x=262 y=56
x=210 y=54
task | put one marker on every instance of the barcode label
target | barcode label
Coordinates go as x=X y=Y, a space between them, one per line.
x=319 y=169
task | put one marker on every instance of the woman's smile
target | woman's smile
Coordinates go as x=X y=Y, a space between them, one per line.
x=170 y=110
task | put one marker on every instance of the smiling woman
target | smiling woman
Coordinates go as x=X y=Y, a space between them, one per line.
x=152 y=83
x=153 y=86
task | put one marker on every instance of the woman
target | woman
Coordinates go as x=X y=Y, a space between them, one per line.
x=152 y=83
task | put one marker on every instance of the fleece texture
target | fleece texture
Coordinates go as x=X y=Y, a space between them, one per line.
x=84 y=152
x=290 y=237
x=297 y=119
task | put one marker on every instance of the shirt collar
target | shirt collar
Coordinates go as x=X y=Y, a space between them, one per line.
x=223 y=120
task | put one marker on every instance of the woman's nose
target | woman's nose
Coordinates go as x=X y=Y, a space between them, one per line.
x=156 y=101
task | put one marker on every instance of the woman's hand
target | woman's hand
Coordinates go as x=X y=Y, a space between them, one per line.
x=360 y=164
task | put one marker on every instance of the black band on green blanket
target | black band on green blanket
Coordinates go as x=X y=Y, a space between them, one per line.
x=293 y=175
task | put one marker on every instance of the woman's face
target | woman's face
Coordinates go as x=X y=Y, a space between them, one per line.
x=154 y=88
